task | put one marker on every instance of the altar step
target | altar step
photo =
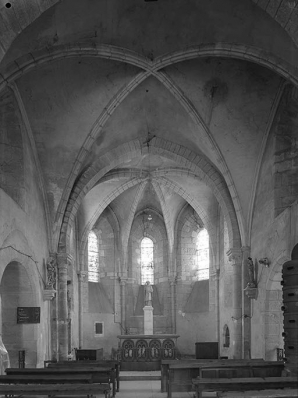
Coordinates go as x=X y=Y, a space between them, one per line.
x=139 y=376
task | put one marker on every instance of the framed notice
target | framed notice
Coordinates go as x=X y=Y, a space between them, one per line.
x=28 y=314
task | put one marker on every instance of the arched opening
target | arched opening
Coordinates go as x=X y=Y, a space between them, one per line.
x=17 y=291
x=93 y=258
x=203 y=255
x=147 y=261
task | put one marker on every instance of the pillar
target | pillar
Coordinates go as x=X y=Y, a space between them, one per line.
x=173 y=283
x=83 y=303
x=123 y=312
x=246 y=307
x=64 y=260
x=235 y=257
x=217 y=304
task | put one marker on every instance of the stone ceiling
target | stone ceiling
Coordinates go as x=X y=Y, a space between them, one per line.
x=137 y=105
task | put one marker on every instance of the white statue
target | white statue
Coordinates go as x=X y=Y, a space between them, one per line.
x=148 y=294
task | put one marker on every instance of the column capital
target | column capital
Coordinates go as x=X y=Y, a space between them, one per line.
x=122 y=280
x=235 y=255
x=82 y=276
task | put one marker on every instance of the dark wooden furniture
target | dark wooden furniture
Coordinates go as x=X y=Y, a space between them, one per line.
x=101 y=363
x=207 y=350
x=102 y=375
x=89 y=354
x=242 y=384
x=165 y=364
x=144 y=352
x=45 y=379
x=55 y=389
x=180 y=374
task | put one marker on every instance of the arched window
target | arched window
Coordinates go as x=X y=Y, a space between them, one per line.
x=203 y=255
x=93 y=258
x=147 y=264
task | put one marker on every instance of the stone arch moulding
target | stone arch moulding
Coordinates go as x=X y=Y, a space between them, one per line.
x=169 y=184
x=183 y=156
x=149 y=68
x=203 y=222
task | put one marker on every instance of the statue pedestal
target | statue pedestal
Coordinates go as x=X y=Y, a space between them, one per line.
x=148 y=319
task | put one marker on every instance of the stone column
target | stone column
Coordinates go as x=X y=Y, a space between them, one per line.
x=246 y=307
x=123 y=312
x=173 y=283
x=235 y=257
x=216 y=303
x=64 y=260
x=83 y=302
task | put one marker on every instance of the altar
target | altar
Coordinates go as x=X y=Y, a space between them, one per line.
x=145 y=351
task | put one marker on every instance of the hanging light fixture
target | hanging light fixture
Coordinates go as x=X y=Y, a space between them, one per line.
x=149 y=217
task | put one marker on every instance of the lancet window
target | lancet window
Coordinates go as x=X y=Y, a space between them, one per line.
x=203 y=255
x=93 y=258
x=147 y=261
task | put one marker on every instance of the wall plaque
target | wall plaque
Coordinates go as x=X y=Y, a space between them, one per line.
x=28 y=314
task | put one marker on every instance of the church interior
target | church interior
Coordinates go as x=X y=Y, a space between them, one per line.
x=148 y=143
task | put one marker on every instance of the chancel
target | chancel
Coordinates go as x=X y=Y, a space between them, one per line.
x=148 y=196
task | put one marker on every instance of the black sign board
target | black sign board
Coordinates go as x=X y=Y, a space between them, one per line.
x=28 y=315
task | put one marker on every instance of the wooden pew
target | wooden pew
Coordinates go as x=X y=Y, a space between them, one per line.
x=99 y=374
x=55 y=389
x=82 y=363
x=180 y=375
x=164 y=366
x=244 y=369
x=167 y=362
x=242 y=384
x=45 y=379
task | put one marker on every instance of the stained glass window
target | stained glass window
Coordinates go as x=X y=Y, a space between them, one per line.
x=203 y=255
x=147 y=264
x=93 y=258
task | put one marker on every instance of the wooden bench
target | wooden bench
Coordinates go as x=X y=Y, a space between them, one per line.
x=45 y=379
x=242 y=384
x=245 y=369
x=82 y=363
x=165 y=364
x=98 y=374
x=55 y=389
x=180 y=375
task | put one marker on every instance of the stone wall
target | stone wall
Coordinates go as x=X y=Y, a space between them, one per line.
x=23 y=234
x=274 y=229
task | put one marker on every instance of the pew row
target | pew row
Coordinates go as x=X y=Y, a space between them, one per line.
x=201 y=385
x=54 y=389
x=180 y=375
x=165 y=364
x=98 y=375
x=90 y=363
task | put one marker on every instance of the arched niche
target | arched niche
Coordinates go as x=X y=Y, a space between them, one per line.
x=17 y=290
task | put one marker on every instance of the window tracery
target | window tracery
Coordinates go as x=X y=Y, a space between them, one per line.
x=147 y=261
x=203 y=255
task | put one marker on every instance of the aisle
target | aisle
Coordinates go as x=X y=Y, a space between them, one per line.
x=146 y=389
